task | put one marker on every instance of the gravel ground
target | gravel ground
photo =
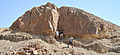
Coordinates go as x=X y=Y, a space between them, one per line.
x=7 y=46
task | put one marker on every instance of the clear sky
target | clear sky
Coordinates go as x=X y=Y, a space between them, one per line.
x=10 y=10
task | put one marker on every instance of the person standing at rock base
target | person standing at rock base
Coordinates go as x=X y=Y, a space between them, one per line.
x=70 y=41
x=57 y=35
x=61 y=35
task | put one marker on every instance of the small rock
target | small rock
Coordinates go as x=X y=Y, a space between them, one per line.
x=20 y=53
x=27 y=53
x=55 y=50
x=35 y=52
x=32 y=49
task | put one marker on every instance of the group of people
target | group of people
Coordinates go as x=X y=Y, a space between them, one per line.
x=60 y=35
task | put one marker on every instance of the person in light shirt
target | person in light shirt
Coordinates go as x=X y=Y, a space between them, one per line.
x=70 y=41
x=57 y=35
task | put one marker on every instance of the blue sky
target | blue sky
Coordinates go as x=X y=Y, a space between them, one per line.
x=10 y=10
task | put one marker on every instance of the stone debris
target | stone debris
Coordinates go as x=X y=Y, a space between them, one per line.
x=32 y=49
x=97 y=47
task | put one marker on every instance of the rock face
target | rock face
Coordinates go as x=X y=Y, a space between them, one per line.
x=41 y=19
x=46 y=19
x=75 y=22
x=78 y=22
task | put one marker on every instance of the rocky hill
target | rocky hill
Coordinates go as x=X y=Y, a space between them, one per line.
x=34 y=31
x=46 y=19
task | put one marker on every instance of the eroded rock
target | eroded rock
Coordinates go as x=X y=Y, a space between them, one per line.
x=98 y=48
x=46 y=19
x=42 y=20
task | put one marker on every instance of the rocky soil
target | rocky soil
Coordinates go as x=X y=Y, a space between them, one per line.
x=35 y=44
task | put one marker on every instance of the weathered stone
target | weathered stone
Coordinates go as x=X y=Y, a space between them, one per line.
x=115 y=40
x=20 y=53
x=46 y=19
x=76 y=22
x=41 y=20
x=27 y=53
x=98 y=48
x=50 y=40
x=55 y=50
x=116 y=49
x=3 y=29
x=15 y=37
x=35 y=52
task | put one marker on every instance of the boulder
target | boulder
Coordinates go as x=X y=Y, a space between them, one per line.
x=98 y=48
x=3 y=29
x=49 y=39
x=35 y=52
x=116 y=49
x=42 y=20
x=77 y=22
x=74 y=22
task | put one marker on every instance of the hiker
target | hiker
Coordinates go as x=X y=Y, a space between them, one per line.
x=70 y=42
x=61 y=35
x=57 y=35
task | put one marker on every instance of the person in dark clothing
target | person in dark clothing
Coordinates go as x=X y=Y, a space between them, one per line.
x=62 y=31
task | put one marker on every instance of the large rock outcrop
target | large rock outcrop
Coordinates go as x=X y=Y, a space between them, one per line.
x=77 y=22
x=46 y=19
x=41 y=19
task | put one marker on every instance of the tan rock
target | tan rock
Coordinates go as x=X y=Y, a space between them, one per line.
x=3 y=29
x=76 y=22
x=35 y=52
x=20 y=53
x=98 y=48
x=27 y=53
x=50 y=40
x=46 y=19
x=32 y=49
x=41 y=20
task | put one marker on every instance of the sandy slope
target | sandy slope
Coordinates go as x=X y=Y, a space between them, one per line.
x=7 y=46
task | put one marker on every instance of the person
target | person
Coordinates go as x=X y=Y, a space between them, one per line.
x=70 y=41
x=61 y=31
x=57 y=34
x=61 y=35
